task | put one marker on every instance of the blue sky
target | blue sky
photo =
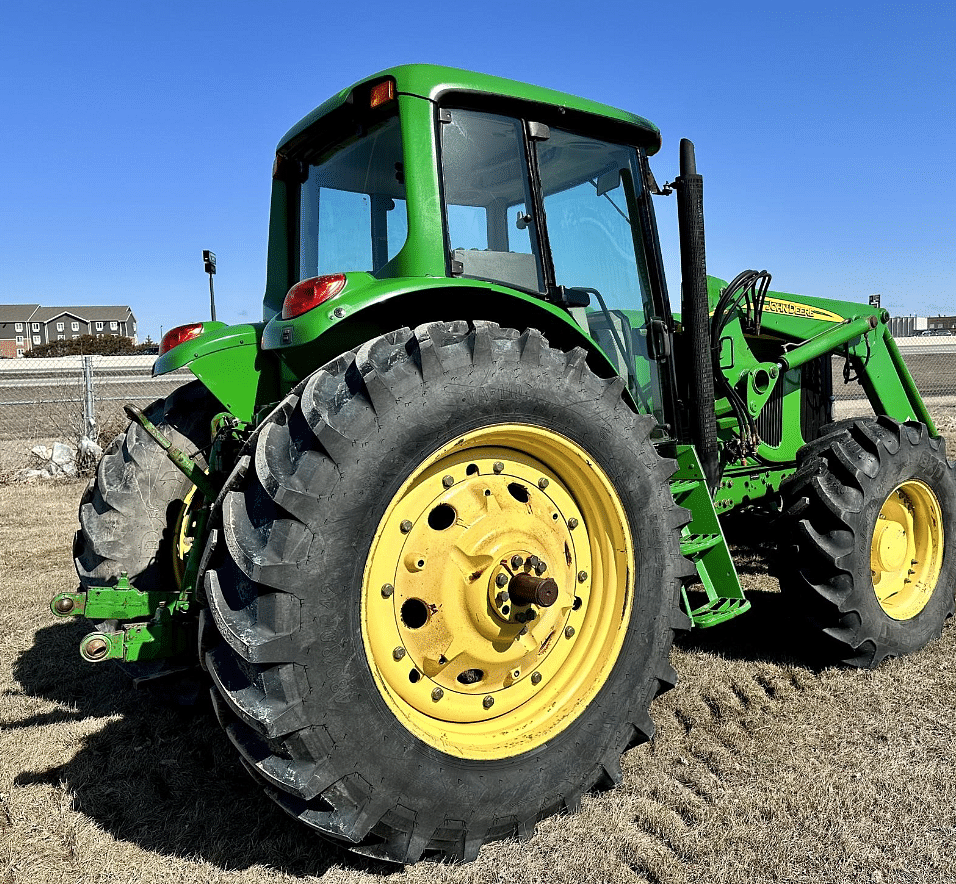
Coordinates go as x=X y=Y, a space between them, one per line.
x=134 y=135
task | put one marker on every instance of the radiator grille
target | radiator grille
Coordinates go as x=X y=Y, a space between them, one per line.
x=770 y=419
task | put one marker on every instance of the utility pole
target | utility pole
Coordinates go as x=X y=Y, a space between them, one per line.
x=209 y=258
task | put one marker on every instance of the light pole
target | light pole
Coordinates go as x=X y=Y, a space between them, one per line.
x=209 y=258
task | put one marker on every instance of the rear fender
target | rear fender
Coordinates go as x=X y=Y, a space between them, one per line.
x=230 y=361
x=368 y=307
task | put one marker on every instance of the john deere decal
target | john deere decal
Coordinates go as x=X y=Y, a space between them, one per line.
x=805 y=311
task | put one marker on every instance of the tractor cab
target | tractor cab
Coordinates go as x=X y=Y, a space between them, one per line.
x=484 y=188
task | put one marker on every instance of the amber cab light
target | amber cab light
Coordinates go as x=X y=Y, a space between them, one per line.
x=381 y=93
x=179 y=335
x=309 y=293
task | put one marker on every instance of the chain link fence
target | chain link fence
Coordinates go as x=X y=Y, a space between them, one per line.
x=931 y=362
x=67 y=398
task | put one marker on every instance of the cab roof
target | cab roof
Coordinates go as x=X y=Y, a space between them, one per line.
x=431 y=82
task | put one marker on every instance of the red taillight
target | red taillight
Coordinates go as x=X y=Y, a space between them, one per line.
x=179 y=335
x=309 y=293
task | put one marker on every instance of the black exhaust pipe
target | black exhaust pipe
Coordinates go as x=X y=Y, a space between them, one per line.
x=695 y=311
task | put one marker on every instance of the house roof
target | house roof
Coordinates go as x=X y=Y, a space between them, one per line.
x=17 y=312
x=117 y=313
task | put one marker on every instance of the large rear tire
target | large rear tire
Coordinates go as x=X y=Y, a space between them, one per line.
x=131 y=515
x=872 y=512
x=372 y=672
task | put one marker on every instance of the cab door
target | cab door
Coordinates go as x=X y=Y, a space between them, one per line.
x=589 y=193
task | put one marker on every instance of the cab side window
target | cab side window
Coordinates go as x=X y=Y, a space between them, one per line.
x=487 y=198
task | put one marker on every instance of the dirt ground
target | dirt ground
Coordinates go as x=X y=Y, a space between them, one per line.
x=766 y=767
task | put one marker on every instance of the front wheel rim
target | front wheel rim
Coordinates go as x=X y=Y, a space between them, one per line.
x=906 y=552
x=470 y=646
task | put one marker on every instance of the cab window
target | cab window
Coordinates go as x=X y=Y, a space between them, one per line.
x=589 y=191
x=352 y=213
x=490 y=230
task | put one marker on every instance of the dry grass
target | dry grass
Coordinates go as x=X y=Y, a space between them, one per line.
x=764 y=768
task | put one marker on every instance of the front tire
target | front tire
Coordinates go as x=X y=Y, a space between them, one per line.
x=872 y=511
x=372 y=673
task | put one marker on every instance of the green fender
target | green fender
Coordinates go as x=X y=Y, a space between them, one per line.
x=230 y=361
x=249 y=366
x=368 y=307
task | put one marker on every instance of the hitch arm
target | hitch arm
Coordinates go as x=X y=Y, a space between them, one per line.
x=183 y=461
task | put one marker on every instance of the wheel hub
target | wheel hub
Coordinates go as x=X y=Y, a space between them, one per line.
x=906 y=552
x=468 y=619
x=482 y=578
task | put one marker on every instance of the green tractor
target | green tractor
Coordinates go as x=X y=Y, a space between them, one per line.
x=431 y=523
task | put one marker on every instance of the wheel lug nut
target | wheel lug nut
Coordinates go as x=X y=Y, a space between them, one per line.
x=501 y=580
x=516 y=561
x=437 y=694
x=398 y=653
x=540 y=568
x=572 y=523
x=582 y=576
x=387 y=590
x=533 y=561
x=406 y=526
x=488 y=702
x=529 y=616
x=569 y=631
x=536 y=678
x=498 y=466
x=543 y=483
x=501 y=598
x=448 y=481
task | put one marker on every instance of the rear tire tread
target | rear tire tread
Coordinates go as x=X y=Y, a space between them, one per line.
x=272 y=527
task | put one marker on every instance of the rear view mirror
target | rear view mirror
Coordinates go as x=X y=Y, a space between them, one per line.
x=608 y=181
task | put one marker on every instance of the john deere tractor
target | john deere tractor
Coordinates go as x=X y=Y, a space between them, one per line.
x=431 y=523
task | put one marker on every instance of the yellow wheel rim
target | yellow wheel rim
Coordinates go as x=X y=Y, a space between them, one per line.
x=183 y=537
x=461 y=656
x=906 y=553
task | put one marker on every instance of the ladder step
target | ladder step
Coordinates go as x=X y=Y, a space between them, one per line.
x=698 y=543
x=718 y=611
x=682 y=486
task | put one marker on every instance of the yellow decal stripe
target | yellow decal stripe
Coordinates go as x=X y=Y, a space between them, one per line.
x=804 y=311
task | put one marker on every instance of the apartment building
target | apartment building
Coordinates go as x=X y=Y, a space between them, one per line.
x=23 y=326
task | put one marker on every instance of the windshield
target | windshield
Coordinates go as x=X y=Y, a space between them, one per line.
x=352 y=213
x=590 y=190
x=587 y=187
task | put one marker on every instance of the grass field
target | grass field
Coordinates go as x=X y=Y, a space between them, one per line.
x=765 y=767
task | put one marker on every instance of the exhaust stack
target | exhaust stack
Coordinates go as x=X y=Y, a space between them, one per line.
x=695 y=311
